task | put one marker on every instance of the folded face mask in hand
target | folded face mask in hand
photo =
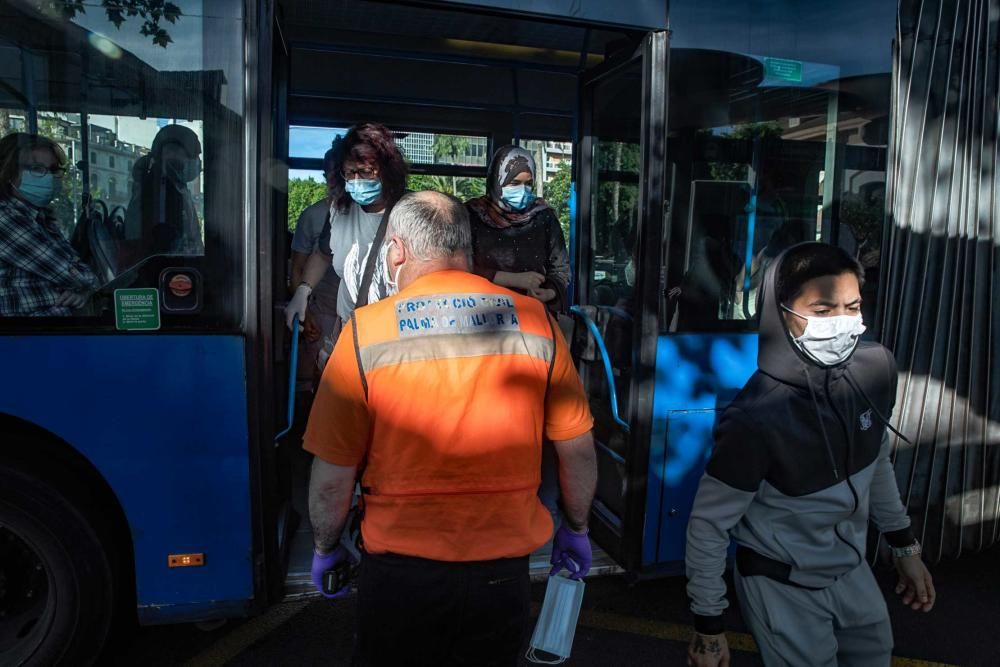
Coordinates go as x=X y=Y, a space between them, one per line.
x=556 y=624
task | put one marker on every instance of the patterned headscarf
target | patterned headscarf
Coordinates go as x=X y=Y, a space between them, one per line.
x=507 y=163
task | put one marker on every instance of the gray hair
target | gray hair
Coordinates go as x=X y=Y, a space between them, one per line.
x=432 y=224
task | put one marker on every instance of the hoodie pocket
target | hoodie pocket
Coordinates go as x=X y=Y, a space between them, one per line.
x=812 y=552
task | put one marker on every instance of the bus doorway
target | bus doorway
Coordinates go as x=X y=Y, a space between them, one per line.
x=484 y=80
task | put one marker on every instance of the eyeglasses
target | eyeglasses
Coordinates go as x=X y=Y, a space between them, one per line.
x=42 y=170
x=364 y=173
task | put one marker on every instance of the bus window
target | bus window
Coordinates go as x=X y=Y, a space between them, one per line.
x=449 y=163
x=148 y=112
x=772 y=143
x=555 y=162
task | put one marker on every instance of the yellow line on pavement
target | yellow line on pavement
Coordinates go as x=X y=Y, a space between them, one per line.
x=602 y=620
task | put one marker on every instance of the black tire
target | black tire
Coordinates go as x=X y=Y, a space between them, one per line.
x=50 y=551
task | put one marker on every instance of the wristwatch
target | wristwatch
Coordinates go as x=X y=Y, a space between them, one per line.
x=911 y=550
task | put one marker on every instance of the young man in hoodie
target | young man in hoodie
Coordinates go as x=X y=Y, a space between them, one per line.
x=801 y=462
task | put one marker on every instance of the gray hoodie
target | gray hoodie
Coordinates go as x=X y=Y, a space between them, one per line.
x=800 y=464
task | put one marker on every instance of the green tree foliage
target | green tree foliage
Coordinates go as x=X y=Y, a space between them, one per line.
x=557 y=193
x=457 y=186
x=302 y=193
x=151 y=12
x=617 y=206
x=730 y=171
x=864 y=215
x=448 y=148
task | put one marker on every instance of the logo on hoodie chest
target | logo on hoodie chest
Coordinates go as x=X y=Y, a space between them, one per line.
x=866 y=420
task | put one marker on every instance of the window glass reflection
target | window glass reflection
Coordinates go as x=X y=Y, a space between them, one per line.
x=146 y=106
x=778 y=132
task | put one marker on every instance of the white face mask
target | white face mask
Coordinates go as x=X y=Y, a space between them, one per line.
x=829 y=340
x=556 y=625
x=391 y=282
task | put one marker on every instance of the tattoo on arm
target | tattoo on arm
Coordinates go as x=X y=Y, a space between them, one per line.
x=703 y=645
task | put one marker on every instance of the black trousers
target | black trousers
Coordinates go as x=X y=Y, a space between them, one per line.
x=415 y=613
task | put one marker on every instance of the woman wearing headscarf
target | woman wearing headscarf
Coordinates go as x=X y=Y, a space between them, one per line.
x=517 y=241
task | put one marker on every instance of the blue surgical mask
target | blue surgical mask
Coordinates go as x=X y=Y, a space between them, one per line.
x=37 y=190
x=518 y=197
x=556 y=625
x=364 y=191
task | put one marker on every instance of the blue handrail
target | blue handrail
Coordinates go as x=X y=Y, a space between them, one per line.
x=293 y=367
x=602 y=348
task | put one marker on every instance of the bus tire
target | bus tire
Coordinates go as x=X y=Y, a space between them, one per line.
x=56 y=581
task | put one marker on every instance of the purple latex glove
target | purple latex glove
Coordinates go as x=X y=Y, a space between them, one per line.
x=571 y=550
x=321 y=564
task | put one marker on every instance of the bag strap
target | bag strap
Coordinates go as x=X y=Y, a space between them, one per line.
x=555 y=347
x=357 y=354
x=373 y=253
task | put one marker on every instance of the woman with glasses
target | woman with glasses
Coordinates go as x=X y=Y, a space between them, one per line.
x=40 y=273
x=368 y=176
x=517 y=241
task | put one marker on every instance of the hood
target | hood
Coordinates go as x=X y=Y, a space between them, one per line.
x=777 y=354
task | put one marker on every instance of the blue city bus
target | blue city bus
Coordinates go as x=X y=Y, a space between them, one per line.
x=141 y=475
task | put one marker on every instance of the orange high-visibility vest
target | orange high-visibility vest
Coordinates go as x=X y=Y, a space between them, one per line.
x=456 y=377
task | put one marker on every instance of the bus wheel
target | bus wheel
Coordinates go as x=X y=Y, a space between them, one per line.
x=56 y=583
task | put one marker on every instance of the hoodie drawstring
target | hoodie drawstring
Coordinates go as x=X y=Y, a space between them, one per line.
x=856 y=386
x=822 y=428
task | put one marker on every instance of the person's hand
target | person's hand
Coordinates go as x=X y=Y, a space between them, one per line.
x=298 y=305
x=916 y=586
x=572 y=550
x=708 y=651
x=71 y=299
x=310 y=328
x=526 y=280
x=543 y=294
x=674 y=292
x=323 y=563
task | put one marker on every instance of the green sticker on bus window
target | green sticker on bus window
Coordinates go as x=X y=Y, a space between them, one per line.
x=783 y=69
x=137 y=309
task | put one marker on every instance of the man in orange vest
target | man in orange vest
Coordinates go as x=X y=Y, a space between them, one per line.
x=441 y=395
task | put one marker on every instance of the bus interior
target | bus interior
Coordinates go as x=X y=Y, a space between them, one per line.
x=432 y=72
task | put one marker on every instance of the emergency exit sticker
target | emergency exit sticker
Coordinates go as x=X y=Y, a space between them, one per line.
x=784 y=69
x=137 y=309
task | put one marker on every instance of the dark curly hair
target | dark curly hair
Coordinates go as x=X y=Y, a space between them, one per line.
x=367 y=142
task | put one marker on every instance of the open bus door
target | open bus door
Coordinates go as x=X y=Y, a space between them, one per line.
x=621 y=209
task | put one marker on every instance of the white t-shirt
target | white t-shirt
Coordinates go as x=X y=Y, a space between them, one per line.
x=350 y=239
x=308 y=231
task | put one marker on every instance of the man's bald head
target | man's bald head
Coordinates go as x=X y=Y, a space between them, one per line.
x=432 y=225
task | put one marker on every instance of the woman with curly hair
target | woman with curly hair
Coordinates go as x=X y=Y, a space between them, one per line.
x=366 y=175
x=517 y=241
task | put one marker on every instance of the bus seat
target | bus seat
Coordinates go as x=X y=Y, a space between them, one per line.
x=103 y=248
x=567 y=325
x=95 y=240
